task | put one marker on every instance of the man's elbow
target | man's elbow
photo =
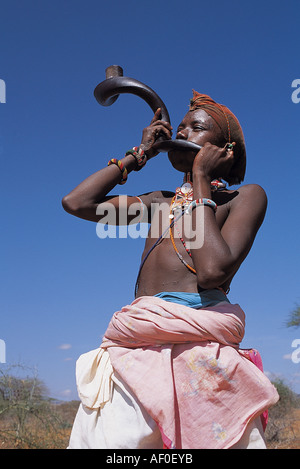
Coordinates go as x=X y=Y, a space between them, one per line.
x=70 y=205
x=211 y=279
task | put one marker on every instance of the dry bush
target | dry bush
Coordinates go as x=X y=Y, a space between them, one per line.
x=283 y=423
x=28 y=418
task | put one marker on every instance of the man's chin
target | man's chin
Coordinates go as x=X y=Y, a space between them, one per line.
x=182 y=160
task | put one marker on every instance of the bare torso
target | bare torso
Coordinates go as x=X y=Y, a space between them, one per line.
x=163 y=270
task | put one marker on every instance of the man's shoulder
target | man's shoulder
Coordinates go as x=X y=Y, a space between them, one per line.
x=162 y=195
x=156 y=197
x=252 y=193
x=250 y=199
x=252 y=189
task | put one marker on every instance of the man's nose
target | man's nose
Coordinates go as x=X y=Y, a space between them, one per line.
x=182 y=134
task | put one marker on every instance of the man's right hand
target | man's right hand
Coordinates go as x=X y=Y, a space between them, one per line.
x=156 y=129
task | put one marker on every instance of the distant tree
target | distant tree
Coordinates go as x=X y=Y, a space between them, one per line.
x=27 y=416
x=294 y=318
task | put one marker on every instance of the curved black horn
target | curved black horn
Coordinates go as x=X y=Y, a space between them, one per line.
x=108 y=91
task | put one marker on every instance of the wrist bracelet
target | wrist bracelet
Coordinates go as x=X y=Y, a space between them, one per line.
x=121 y=167
x=197 y=202
x=139 y=155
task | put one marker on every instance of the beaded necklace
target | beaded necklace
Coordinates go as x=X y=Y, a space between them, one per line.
x=184 y=196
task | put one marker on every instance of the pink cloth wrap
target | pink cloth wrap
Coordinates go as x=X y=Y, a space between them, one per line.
x=185 y=367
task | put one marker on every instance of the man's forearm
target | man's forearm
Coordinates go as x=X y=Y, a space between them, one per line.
x=84 y=199
x=213 y=257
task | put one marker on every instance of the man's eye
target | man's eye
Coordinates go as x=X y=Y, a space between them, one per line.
x=198 y=127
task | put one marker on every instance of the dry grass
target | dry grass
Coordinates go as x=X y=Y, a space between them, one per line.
x=289 y=434
x=282 y=433
x=52 y=432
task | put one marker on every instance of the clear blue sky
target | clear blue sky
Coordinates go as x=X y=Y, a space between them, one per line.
x=60 y=283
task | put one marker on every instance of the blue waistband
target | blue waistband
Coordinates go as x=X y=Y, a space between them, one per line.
x=195 y=300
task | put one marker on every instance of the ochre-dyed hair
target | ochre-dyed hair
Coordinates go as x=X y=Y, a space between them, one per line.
x=231 y=130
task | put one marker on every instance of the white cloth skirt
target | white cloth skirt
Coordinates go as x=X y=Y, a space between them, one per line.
x=123 y=423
